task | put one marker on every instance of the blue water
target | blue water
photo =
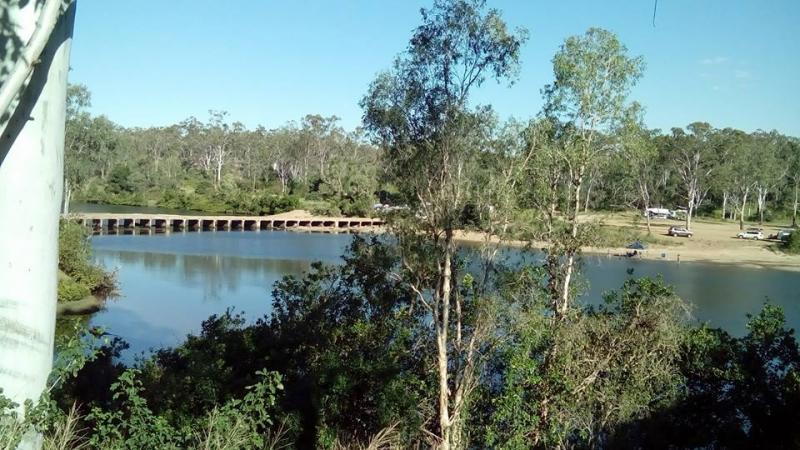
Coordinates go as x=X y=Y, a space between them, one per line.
x=171 y=283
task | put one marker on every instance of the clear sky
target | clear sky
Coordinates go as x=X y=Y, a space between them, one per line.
x=733 y=63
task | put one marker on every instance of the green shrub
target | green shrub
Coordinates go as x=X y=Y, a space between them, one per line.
x=326 y=209
x=275 y=204
x=70 y=290
x=75 y=261
x=792 y=245
x=359 y=207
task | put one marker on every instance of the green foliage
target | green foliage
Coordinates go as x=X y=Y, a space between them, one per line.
x=359 y=207
x=119 y=180
x=79 y=277
x=133 y=425
x=792 y=245
x=613 y=364
x=70 y=290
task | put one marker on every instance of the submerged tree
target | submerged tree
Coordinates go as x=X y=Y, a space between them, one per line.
x=419 y=112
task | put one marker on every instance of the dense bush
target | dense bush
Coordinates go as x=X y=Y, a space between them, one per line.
x=358 y=207
x=79 y=275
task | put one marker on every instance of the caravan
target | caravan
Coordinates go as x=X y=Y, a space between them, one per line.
x=658 y=213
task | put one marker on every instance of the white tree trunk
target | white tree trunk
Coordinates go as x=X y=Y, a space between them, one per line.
x=794 y=211
x=724 y=204
x=31 y=183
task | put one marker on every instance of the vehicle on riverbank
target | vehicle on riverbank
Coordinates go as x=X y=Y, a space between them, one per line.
x=680 y=232
x=751 y=233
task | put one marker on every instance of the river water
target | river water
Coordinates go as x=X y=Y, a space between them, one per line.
x=171 y=283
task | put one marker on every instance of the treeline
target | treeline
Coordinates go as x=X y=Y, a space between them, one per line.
x=725 y=173
x=219 y=165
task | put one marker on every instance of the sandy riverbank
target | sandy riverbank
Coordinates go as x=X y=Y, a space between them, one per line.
x=713 y=242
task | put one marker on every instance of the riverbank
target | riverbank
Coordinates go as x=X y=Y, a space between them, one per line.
x=713 y=242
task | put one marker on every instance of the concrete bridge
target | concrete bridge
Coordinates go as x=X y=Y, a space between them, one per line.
x=116 y=222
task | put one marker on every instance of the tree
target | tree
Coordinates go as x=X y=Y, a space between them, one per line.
x=33 y=84
x=792 y=157
x=419 y=113
x=593 y=76
x=769 y=168
x=639 y=153
x=694 y=161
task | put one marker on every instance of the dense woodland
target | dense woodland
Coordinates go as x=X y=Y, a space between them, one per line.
x=414 y=342
x=221 y=166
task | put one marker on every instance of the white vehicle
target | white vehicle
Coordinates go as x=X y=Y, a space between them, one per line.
x=751 y=233
x=658 y=213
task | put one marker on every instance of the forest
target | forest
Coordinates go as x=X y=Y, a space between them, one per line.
x=414 y=341
x=221 y=166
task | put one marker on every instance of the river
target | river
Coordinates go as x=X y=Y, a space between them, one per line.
x=171 y=283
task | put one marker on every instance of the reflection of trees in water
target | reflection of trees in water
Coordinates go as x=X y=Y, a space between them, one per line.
x=215 y=273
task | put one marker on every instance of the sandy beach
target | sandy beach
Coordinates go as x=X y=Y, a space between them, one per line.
x=713 y=242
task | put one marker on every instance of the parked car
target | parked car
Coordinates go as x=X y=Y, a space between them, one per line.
x=751 y=233
x=680 y=232
x=783 y=235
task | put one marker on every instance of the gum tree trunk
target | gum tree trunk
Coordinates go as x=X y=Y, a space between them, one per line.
x=31 y=188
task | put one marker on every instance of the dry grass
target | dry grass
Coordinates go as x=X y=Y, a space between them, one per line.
x=66 y=435
x=386 y=439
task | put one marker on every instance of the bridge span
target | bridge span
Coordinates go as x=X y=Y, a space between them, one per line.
x=115 y=222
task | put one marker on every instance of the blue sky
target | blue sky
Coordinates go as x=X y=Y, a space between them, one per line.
x=733 y=63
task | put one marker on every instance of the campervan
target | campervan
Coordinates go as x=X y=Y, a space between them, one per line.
x=658 y=213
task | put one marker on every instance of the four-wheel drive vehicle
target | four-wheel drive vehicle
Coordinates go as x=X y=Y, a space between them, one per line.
x=679 y=231
x=783 y=235
x=751 y=233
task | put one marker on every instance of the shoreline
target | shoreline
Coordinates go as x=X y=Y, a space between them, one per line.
x=713 y=243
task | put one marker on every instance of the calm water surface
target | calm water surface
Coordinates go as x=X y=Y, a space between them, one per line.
x=171 y=283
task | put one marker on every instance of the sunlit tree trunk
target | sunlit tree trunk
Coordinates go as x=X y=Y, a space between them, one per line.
x=31 y=188
x=724 y=204
x=794 y=211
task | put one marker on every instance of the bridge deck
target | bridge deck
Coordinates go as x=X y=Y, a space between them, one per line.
x=179 y=222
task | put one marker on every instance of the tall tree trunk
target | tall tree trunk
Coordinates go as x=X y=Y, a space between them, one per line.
x=31 y=184
x=741 y=212
x=689 y=211
x=794 y=213
x=570 y=263
x=442 y=324
x=588 y=195
x=724 y=203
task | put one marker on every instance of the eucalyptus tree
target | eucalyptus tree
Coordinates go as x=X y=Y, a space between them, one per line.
x=419 y=113
x=791 y=157
x=36 y=38
x=694 y=158
x=639 y=154
x=769 y=169
x=593 y=77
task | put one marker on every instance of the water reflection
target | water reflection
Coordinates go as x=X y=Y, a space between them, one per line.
x=214 y=273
